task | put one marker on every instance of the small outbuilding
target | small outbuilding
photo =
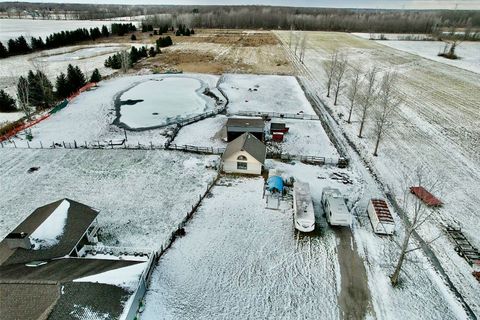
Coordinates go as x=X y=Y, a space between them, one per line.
x=246 y=154
x=238 y=126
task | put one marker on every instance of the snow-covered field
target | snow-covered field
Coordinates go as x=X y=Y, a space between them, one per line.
x=80 y=54
x=141 y=195
x=436 y=127
x=264 y=93
x=308 y=138
x=10 y=116
x=89 y=58
x=209 y=132
x=468 y=52
x=14 y=28
x=239 y=260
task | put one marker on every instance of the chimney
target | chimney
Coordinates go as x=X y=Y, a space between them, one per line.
x=18 y=240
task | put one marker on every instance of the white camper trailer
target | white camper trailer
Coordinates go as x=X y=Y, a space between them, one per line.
x=304 y=216
x=335 y=208
x=380 y=217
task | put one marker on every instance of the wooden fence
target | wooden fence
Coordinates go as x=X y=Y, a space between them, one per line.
x=298 y=116
x=196 y=149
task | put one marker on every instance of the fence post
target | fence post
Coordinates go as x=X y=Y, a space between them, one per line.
x=151 y=145
x=53 y=145
x=1 y=142
x=111 y=143
x=28 y=144
x=64 y=144
x=14 y=144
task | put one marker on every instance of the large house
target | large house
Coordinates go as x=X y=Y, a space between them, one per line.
x=245 y=155
x=51 y=268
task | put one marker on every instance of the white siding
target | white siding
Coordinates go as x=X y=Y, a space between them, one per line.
x=253 y=166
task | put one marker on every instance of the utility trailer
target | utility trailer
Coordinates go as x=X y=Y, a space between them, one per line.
x=335 y=208
x=304 y=216
x=380 y=217
x=463 y=247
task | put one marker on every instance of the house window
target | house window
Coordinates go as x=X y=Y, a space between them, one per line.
x=242 y=158
x=241 y=165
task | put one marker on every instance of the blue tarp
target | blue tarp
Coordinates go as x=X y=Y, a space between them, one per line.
x=275 y=183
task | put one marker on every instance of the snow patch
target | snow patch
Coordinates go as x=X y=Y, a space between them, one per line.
x=49 y=232
x=126 y=277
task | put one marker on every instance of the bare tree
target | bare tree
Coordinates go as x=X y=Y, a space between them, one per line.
x=367 y=97
x=353 y=87
x=338 y=76
x=125 y=60
x=330 y=66
x=303 y=46
x=388 y=102
x=23 y=97
x=297 y=42
x=418 y=214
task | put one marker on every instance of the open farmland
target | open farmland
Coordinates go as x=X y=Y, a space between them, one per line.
x=224 y=51
x=436 y=127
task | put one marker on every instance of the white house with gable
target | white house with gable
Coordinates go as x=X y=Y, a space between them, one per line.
x=246 y=155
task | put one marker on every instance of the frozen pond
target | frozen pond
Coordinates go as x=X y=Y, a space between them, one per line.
x=159 y=102
x=80 y=54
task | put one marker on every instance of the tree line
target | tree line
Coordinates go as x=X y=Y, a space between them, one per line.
x=125 y=60
x=37 y=91
x=20 y=45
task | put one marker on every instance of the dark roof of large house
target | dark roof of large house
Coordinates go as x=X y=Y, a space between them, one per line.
x=48 y=291
x=249 y=143
x=79 y=218
x=61 y=270
x=246 y=123
x=70 y=300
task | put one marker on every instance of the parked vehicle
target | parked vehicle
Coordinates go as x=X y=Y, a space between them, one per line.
x=380 y=217
x=304 y=216
x=335 y=208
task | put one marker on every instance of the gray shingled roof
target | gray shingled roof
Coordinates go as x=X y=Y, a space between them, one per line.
x=61 y=270
x=246 y=123
x=249 y=143
x=79 y=218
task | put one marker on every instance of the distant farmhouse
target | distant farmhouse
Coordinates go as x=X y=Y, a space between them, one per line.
x=50 y=268
x=238 y=126
x=244 y=155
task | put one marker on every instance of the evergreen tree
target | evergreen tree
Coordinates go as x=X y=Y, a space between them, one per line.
x=133 y=37
x=134 y=55
x=187 y=32
x=192 y=32
x=37 y=44
x=22 y=45
x=96 y=76
x=40 y=90
x=7 y=103
x=152 y=52
x=3 y=51
x=62 y=85
x=105 y=32
x=12 y=47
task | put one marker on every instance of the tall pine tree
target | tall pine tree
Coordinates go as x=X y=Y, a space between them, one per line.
x=3 y=51
x=7 y=103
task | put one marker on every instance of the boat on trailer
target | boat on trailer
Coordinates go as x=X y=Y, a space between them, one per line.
x=304 y=216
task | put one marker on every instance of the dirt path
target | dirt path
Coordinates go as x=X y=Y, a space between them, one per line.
x=354 y=299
